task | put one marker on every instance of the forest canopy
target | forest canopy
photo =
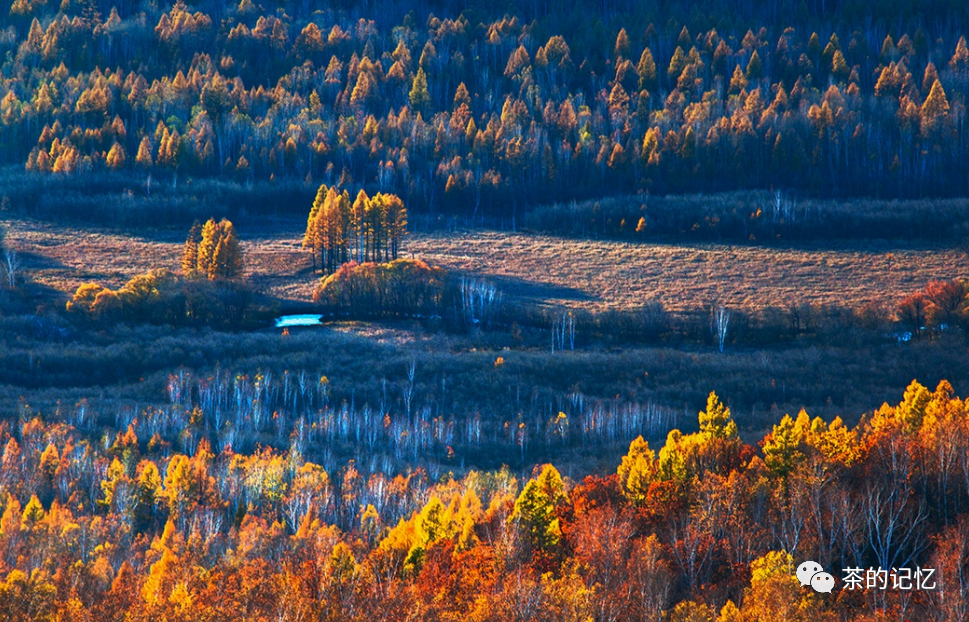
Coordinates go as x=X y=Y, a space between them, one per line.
x=481 y=112
x=128 y=526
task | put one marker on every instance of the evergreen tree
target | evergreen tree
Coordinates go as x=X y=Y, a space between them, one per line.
x=419 y=96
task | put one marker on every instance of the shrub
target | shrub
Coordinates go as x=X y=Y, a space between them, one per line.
x=403 y=287
x=163 y=297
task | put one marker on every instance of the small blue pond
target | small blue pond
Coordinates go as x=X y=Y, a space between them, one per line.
x=286 y=321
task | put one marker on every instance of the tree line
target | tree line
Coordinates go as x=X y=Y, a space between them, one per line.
x=707 y=528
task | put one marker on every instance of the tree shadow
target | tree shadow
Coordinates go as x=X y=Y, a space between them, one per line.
x=533 y=291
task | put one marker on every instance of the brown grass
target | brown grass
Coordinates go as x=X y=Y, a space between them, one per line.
x=611 y=274
x=580 y=273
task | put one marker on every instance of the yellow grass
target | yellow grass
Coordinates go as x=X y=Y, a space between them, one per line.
x=579 y=273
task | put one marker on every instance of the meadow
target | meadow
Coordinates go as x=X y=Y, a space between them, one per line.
x=836 y=367
x=592 y=275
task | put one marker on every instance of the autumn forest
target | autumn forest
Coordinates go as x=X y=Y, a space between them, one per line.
x=483 y=311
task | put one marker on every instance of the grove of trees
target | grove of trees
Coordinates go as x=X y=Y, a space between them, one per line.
x=366 y=230
x=403 y=287
x=212 y=251
x=164 y=518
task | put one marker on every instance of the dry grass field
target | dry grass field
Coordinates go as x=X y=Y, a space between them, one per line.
x=612 y=274
x=580 y=273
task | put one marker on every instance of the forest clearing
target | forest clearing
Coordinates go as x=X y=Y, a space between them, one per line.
x=592 y=275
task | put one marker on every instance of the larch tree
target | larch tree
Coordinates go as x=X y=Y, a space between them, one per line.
x=622 y=44
x=217 y=252
x=960 y=59
x=312 y=238
x=394 y=216
x=116 y=157
x=144 y=159
x=755 y=68
x=935 y=107
x=647 y=71
x=535 y=507
x=227 y=261
x=361 y=205
x=461 y=97
x=637 y=471
x=205 y=255
x=190 y=252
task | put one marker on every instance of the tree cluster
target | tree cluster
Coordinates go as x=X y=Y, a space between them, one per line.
x=403 y=287
x=212 y=252
x=941 y=306
x=366 y=230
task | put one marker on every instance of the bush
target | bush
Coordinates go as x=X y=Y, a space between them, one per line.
x=400 y=288
x=163 y=297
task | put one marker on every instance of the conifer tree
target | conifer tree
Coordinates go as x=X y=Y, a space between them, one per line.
x=934 y=108
x=227 y=260
x=206 y=249
x=647 y=71
x=960 y=59
x=535 y=509
x=116 y=157
x=677 y=64
x=190 y=253
x=361 y=205
x=755 y=68
x=144 y=154
x=637 y=471
x=149 y=490
x=839 y=67
x=622 y=44
x=419 y=96
x=311 y=238
x=461 y=96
